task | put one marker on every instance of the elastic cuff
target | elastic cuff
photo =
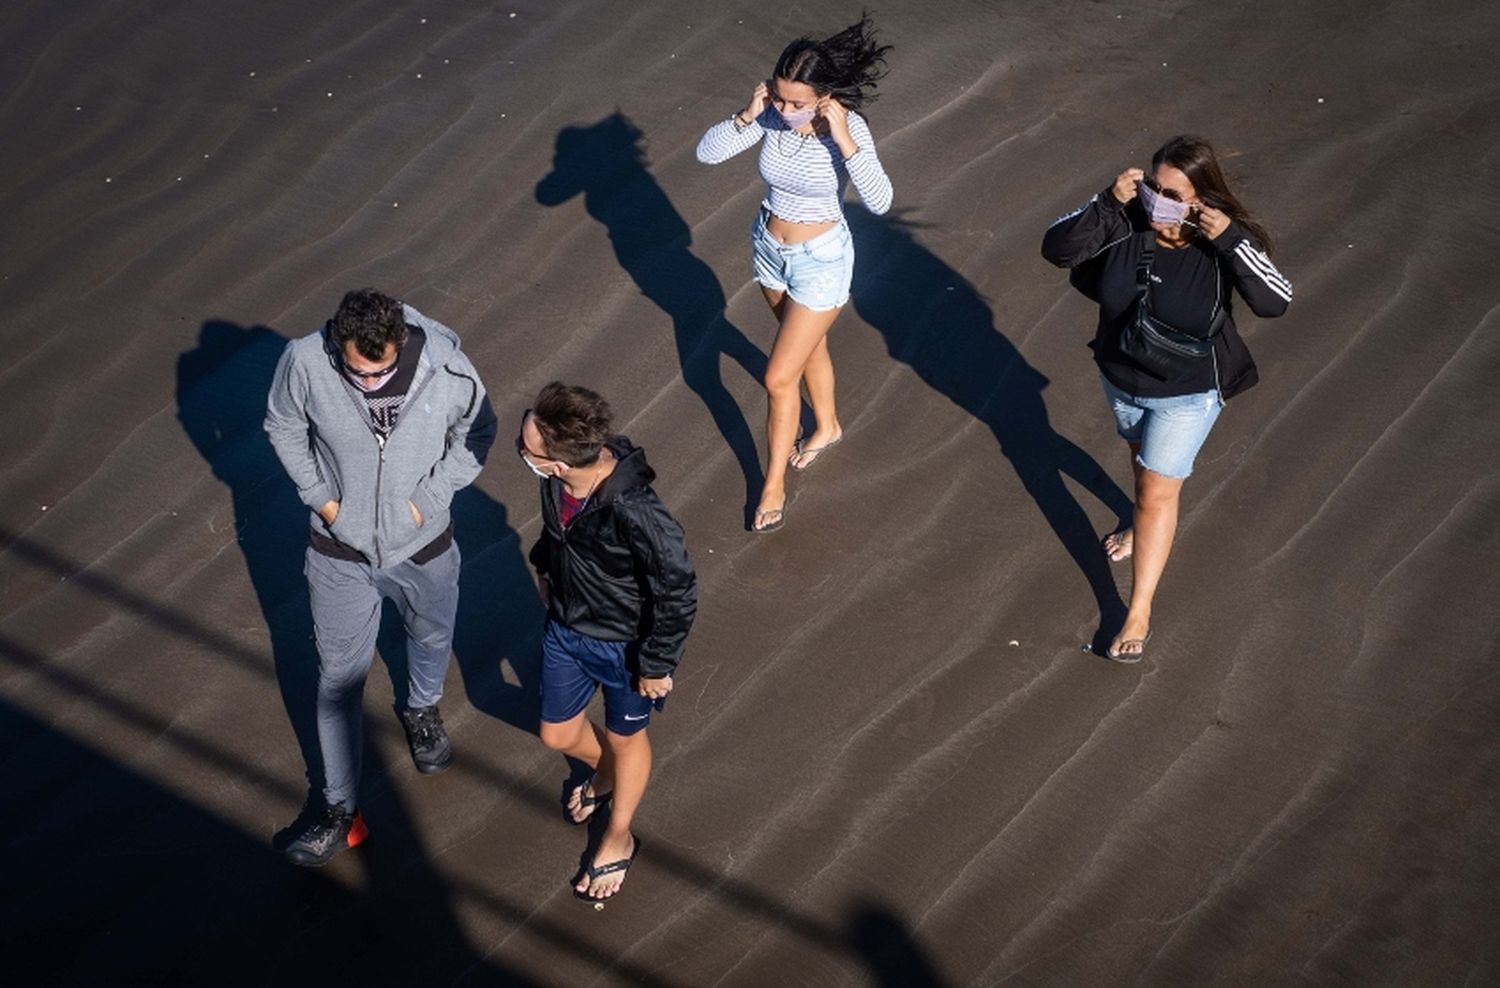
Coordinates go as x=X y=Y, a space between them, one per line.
x=1228 y=238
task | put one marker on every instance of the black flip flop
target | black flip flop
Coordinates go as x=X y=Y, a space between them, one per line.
x=596 y=801
x=595 y=873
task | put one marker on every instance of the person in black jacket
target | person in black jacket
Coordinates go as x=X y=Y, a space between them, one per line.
x=621 y=595
x=1181 y=234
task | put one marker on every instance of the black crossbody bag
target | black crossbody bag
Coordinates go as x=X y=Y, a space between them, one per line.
x=1151 y=344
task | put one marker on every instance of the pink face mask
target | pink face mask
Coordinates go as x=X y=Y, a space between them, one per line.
x=797 y=118
x=1160 y=209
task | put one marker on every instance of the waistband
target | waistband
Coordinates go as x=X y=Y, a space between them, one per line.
x=837 y=231
x=334 y=549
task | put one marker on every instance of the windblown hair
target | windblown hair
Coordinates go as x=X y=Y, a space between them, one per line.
x=371 y=320
x=1196 y=158
x=574 y=423
x=847 y=65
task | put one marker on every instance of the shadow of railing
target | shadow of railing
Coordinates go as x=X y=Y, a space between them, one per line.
x=851 y=940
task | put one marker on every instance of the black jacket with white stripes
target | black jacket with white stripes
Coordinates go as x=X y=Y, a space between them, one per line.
x=1102 y=243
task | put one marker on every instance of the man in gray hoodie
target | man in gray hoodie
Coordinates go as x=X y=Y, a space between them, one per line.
x=379 y=419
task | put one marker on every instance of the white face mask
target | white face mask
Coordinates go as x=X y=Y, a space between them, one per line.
x=797 y=118
x=1161 y=209
x=536 y=469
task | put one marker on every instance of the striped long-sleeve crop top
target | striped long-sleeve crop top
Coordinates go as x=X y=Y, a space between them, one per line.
x=805 y=176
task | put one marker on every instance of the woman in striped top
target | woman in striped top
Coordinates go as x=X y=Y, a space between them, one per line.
x=812 y=146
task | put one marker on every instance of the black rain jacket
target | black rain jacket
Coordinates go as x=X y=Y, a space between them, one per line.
x=620 y=571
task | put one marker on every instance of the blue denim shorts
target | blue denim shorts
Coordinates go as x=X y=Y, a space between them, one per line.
x=815 y=273
x=1170 y=431
x=574 y=665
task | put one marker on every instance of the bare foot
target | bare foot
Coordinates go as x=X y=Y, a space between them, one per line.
x=771 y=514
x=606 y=873
x=1120 y=545
x=584 y=800
x=809 y=449
x=1130 y=644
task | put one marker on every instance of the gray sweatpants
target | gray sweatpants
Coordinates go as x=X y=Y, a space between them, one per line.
x=346 y=602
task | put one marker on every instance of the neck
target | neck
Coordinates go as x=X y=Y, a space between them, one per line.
x=582 y=483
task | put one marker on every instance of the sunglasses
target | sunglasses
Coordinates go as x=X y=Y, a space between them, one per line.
x=1155 y=186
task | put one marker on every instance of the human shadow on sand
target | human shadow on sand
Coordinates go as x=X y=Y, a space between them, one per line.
x=221 y=399
x=937 y=323
x=606 y=164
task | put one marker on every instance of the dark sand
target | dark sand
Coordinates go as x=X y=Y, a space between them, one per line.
x=888 y=760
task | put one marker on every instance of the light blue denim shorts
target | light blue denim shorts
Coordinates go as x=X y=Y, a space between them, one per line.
x=815 y=273
x=1170 y=431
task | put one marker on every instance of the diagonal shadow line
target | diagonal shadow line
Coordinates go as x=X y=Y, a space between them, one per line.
x=737 y=893
x=197 y=746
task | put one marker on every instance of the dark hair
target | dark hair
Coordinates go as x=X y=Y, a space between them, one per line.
x=573 y=421
x=846 y=65
x=371 y=320
x=1196 y=158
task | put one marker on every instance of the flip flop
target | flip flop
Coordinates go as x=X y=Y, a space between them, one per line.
x=813 y=451
x=773 y=526
x=596 y=872
x=1129 y=658
x=1117 y=538
x=592 y=803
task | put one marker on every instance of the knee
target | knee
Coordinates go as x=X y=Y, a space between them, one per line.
x=561 y=737
x=781 y=381
x=1155 y=492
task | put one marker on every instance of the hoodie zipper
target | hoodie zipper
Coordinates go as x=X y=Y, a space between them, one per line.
x=380 y=441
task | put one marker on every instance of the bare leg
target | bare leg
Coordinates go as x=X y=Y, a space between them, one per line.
x=631 y=756
x=1119 y=546
x=818 y=375
x=578 y=738
x=802 y=330
x=1156 y=503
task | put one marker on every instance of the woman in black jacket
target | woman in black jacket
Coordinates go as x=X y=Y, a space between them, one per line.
x=1171 y=243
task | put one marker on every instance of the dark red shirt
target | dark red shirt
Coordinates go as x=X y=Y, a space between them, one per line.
x=570 y=507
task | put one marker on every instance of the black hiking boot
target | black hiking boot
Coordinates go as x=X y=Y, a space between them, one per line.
x=330 y=832
x=430 y=748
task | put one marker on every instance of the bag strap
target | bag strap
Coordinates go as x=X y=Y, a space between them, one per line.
x=1143 y=268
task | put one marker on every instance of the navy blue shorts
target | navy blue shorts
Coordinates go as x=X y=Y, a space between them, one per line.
x=574 y=665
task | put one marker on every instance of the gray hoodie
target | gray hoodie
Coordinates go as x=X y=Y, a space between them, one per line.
x=321 y=429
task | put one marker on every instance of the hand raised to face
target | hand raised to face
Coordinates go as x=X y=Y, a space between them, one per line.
x=1124 y=189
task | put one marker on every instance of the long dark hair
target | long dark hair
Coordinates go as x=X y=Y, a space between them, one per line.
x=1196 y=158
x=846 y=65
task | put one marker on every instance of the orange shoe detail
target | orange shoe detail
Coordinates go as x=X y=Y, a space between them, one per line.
x=357 y=831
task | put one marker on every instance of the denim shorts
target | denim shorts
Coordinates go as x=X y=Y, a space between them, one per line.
x=1170 y=431
x=815 y=273
x=574 y=665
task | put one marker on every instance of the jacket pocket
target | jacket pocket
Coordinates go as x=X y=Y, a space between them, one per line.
x=397 y=526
